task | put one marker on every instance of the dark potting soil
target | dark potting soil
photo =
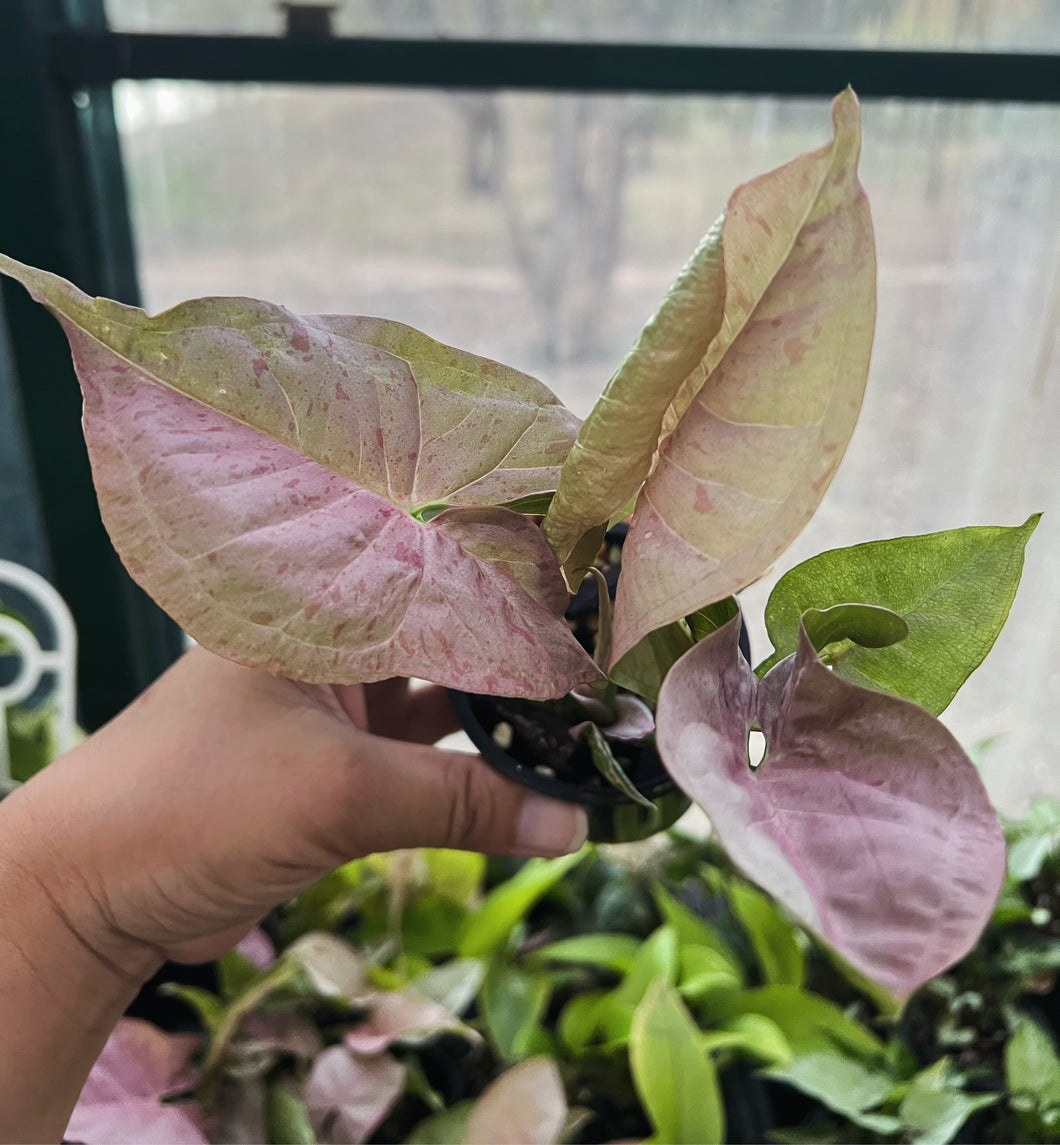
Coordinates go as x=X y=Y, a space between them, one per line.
x=541 y=739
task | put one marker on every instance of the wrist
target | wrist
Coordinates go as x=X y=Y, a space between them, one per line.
x=55 y=914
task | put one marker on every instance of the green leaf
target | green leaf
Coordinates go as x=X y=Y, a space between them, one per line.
x=811 y=1024
x=433 y=927
x=236 y=973
x=442 y=1128
x=613 y=951
x=513 y=1002
x=704 y=973
x=644 y=666
x=772 y=936
x=712 y=617
x=693 y=931
x=1033 y=838
x=581 y=1017
x=609 y=767
x=674 y=1077
x=757 y=1036
x=511 y=902
x=286 y=1118
x=455 y=875
x=843 y=1083
x=953 y=589
x=209 y=1009
x=655 y=961
x=328 y=901
x=866 y=625
x=933 y=1110
x=1032 y=1065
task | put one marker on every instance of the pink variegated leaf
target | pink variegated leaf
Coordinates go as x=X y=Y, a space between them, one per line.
x=314 y=495
x=402 y=1015
x=348 y=1095
x=865 y=818
x=633 y=720
x=759 y=427
x=524 y=1106
x=121 y=1102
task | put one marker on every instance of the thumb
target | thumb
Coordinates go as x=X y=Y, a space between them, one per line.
x=426 y=797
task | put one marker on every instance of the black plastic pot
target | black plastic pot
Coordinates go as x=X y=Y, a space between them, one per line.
x=613 y=817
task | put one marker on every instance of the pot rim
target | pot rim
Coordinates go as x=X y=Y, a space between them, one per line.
x=501 y=761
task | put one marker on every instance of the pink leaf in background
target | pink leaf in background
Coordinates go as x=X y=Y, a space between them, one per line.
x=257 y=948
x=525 y=1106
x=120 y=1101
x=261 y=473
x=865 y=818
x=348 y=1095
x=399 y=1014
x=761 y=426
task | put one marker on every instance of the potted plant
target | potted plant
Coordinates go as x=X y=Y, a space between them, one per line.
x=344 y=499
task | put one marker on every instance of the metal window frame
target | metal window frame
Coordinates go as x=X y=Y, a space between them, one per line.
x=63 y=206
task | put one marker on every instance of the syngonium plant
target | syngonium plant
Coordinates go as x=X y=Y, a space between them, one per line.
x=344 y=499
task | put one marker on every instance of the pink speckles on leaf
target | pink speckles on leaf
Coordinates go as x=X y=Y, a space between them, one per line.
x=290 y=541
x=785 y=374
x=865 y=819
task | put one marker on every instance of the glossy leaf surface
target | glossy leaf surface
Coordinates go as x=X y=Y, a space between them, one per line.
x=264 y=476
x=866 y=821
x=769 y=420
x=953 y=589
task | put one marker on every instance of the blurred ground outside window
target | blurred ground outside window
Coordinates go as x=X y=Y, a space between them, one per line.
x=541 y=230
x=993 y=25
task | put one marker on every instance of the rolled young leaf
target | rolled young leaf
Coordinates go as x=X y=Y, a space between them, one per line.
x=618 y=440
x=866 y=820
x=954 y=590
x=263 y=476
x=756 y=448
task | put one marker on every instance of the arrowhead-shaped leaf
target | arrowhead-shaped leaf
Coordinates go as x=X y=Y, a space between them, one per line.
x=866 y=819
x=953 y=589
x=268 y=478
x=754 y=451
x=525 y=1106
x=347 y=1095
x=122 y=1099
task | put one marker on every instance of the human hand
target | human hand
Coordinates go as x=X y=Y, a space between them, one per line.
x=223 y=791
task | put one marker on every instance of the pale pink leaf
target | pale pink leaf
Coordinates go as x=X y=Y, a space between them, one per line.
x=633 y=720
x=263 y=475
x=347 y=1095
x=865 y=818
x=400 y=1015
x=121 y=1099
x=257 y=948
x=334 y=967
x=755 y=445
x=524 y=1106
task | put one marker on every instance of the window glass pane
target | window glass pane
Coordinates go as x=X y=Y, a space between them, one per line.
x=542 y=230
x=21 y=528
x=1028 y=25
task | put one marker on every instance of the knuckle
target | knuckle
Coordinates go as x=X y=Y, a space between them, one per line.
x=472 y=810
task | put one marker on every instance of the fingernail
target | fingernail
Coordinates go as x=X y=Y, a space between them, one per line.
x=549 y=827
